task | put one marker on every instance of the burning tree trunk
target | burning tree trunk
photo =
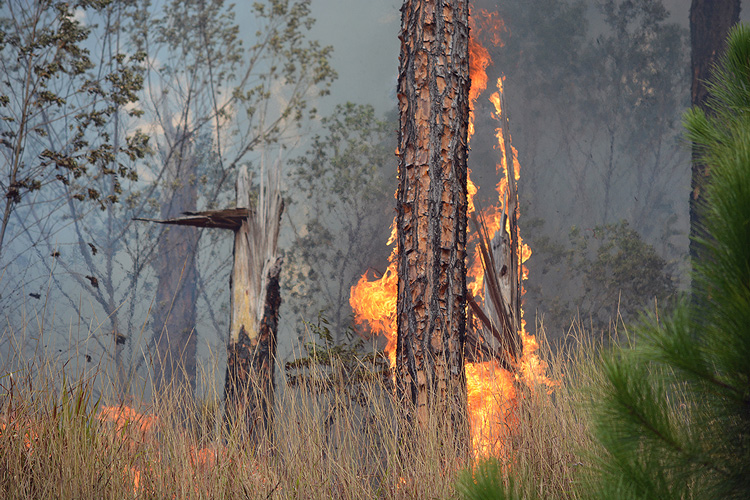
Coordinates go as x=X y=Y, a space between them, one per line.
x=710 y=22
x=497 y=334
x=255 y=301
x=433 y=91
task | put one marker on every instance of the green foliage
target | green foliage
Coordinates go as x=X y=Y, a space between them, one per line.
x=613 y=271
x=330 y=364
x=489 y=480
x=344 y=203
x=57 y=103
x=619 y=272
x=346 y=376
x=672 y=412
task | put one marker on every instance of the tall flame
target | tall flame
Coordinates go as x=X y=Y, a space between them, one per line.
x=492 y=391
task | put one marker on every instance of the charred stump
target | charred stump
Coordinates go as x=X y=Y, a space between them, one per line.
x=249 y=384
x=255 y=300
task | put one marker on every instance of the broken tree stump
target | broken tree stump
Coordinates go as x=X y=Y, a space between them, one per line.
x=499 y=337
x=254 y=299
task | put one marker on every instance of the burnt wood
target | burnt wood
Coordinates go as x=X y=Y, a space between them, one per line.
x=228 y=218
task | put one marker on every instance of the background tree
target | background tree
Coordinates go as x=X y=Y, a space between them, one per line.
x=709 y=24
x=212 y=101
x=344 y=208
x=433 y=94
x=69 y=88
x=602 y=262
x=698 y=357
x=205 y=83
x=594 y=91
x=57 y=103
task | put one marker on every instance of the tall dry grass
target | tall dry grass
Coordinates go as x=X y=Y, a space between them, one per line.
x=59 y=441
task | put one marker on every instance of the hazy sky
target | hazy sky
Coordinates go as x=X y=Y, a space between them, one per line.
x=364 y=34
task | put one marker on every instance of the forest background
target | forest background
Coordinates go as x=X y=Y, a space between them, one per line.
x=595 y=92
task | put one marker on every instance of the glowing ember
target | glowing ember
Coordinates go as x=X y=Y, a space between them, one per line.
x=15 y=429
x=136 y=429
x=124 y=416
x=492 y=391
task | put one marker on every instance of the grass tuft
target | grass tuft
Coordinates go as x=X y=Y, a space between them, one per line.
x=59 y=441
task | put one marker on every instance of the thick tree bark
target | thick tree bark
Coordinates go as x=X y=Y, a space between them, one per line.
x=174 y=311
x=710 y=22
x=433 y=90
x=255 y=302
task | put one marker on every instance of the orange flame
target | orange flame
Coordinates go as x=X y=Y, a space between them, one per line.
x=491 y=25
x=16 y=429
x=479 y=60
x=491 y=390
x=375 y=302
x=125 y=416
x=492 y=402
x=136 y=429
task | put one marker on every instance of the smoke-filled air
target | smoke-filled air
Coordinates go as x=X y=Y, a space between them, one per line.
x=393 y=249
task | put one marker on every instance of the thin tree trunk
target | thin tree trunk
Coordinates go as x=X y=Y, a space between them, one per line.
x=433 y=89
x=710 y=22
x=174 y=316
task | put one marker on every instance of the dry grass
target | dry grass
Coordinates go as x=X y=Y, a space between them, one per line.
x=57 y=441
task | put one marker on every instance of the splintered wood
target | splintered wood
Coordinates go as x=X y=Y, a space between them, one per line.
x=433 y=92
x=255 y=301
x=243 y=316
x=254 y=297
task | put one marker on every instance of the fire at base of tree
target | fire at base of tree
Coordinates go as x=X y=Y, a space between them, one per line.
x=427 y=382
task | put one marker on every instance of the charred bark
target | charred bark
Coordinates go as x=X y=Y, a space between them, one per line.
x=433 y=90
x=249 y=385
x=255 y=302
x=710 y=22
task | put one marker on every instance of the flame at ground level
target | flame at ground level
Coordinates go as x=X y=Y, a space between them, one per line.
x=492 y=392
x=492 y=403
x=136 y=429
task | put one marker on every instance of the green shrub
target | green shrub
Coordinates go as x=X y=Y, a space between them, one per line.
x=673 y=412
